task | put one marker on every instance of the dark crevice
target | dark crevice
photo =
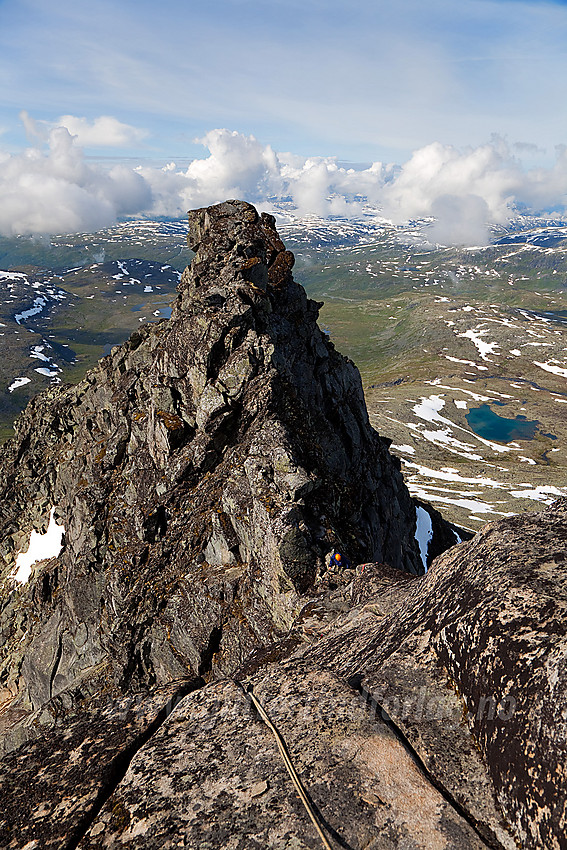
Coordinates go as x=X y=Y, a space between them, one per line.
x=207 y=655
x=489 y=840
x=155 y=525
x=231 y=337
x=48 y=586
x=24 y=447
x=119 y=765
x=56 y=664
x=177 y=400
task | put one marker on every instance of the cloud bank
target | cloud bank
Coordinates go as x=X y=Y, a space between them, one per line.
x=51 y=188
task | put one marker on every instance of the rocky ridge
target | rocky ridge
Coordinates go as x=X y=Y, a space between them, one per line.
x=202 y=473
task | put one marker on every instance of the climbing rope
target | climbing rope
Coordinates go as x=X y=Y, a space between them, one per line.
x=299 y=787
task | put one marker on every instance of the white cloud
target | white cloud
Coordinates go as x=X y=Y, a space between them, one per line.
x=50 y=188
x=104 y=131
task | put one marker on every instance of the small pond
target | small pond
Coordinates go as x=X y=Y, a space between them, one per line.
x=489 y=425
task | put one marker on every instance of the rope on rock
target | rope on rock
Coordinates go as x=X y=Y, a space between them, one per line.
x=299 y=787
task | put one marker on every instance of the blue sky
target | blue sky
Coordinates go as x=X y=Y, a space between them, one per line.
x=274 y=98
x=360 y=80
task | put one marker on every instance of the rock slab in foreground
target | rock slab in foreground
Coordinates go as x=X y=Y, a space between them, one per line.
x=432 y=716
x=227 y=785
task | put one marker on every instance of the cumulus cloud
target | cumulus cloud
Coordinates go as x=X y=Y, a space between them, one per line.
x=238 y=166
x=51 y=189
x=463 y=190
x=104 y=131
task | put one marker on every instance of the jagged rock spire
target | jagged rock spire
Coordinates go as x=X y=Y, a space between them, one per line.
x=202 y=471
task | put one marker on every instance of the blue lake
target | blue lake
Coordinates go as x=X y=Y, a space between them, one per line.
x=489 y=425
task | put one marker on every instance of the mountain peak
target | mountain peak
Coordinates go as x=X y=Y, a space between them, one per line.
x=222 y=454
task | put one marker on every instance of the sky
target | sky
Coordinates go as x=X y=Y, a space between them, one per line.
x=120 y=108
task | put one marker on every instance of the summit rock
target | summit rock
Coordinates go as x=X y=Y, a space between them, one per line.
x=202 y=473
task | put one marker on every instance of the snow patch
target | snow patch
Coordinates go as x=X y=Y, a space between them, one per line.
x=18 y=382
x=466 y=362
x=36 y=353
x=428 y=409
x=542 y=493
x=423 y=532
x=41 y=547
x=484 y=348
x=38 y=306
x=476 y=506
x=12 y=276
x=448 y=474
x=549 y=367
x=49 y=373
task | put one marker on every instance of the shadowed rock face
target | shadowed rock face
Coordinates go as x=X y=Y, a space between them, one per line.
x=203 y=471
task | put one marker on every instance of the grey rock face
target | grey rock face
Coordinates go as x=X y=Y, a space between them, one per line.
x=202 y=472
x=227 y=785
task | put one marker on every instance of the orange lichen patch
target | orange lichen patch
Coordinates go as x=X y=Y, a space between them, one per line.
x=171 y=421
x=248 y=264
x=280 y=268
